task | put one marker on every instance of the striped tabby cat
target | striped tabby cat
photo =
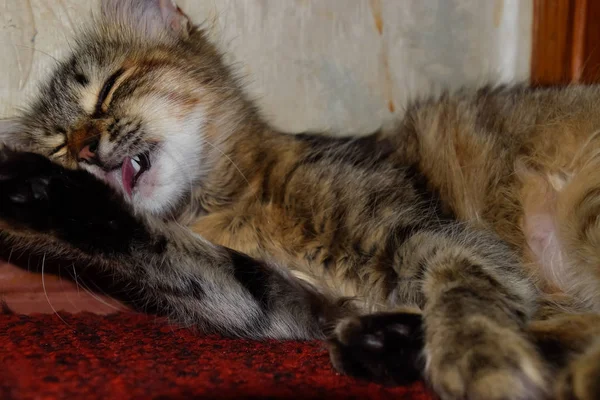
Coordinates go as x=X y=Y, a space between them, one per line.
x=464 y=245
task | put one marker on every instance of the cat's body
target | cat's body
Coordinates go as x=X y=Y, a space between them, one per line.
x=332 y=207
x=478 y=211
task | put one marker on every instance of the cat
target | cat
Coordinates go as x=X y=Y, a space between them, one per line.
x=462 y=244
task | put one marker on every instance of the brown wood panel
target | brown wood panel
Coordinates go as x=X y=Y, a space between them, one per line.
x=566 y=42
x=579 y=30
x=590 y=56
x=552 y=39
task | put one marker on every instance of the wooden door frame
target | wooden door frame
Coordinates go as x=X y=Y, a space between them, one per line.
x=565 y=42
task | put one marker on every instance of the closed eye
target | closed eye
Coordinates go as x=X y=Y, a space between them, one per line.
x=105 y=92
x=57 y=149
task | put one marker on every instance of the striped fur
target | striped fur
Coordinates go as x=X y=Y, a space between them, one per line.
x=462 y=243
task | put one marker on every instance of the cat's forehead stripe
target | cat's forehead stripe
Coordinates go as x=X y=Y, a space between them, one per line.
x=89 y=96
x=124 y=74
x=89 y=93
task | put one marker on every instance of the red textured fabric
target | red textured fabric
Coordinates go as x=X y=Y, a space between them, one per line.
x=131 y=356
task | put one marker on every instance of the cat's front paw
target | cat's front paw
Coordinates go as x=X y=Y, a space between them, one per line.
x=38 y=196
x=483 y=361
x=383 y=347
x=24 y=189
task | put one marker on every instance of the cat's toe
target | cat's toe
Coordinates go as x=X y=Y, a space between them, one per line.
x=382 y=347
x=482 y=365
x=30 y=190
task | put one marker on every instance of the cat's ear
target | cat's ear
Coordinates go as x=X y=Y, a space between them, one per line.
x=152 y=19
x=11 y=134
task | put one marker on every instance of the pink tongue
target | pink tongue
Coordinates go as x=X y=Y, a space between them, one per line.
x=127 y=174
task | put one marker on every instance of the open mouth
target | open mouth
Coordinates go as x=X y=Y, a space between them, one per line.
x=133 y=168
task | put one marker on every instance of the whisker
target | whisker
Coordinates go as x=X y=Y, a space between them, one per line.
x=10 y=254
x=232 y=163
x=75 y=278
x=99 y=299
x=93 y=294
x=66 y=293
x=46 y=292
x=39 y=51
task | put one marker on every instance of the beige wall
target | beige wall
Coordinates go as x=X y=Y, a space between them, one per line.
x=310 y=64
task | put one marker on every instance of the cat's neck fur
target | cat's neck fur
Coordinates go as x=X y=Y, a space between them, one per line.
x=234 y=162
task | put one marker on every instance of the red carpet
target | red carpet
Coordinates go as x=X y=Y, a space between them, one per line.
x=130 y=356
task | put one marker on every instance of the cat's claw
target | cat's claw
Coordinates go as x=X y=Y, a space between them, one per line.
x=382 y=347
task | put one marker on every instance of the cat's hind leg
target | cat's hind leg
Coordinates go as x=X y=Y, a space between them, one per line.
x=562 y=227
x=561 y=222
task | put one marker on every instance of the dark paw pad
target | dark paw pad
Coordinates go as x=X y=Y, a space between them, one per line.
x=40 y=196
x=24 y=187
x=382 y=347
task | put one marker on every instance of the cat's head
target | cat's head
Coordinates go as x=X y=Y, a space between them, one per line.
x=133 y=103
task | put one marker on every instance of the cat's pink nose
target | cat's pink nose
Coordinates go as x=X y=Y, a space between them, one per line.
x=88 y=151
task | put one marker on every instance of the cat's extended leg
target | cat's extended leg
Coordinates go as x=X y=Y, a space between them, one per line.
x=70 y=214
x=476 y=304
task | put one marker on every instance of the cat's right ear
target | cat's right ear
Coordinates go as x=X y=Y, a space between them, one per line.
x=12 y=134
x=152 y=19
